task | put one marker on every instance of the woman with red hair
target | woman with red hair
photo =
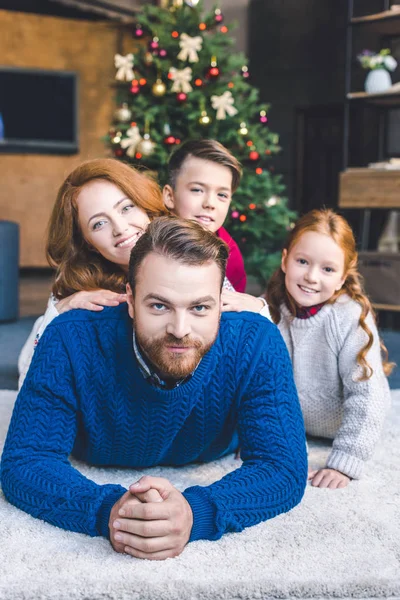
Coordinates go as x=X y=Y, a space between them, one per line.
x=101 y=210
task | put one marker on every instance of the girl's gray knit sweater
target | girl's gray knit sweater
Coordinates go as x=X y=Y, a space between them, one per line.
x=335 y=404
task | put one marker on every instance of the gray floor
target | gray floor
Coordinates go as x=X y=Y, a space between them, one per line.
x=13 y=336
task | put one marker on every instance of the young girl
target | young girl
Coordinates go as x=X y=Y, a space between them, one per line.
x=317 y=301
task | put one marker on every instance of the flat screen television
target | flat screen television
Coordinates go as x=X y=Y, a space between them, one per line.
x=38 y=111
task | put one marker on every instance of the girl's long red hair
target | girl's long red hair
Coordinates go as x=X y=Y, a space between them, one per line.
x=327 y=222
x=78 y=265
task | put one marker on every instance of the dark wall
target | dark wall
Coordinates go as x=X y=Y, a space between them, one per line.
x=297 y=54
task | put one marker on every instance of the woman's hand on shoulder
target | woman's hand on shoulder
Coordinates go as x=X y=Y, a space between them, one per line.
x=328 y=478
x=236 y=302
x=91 y=300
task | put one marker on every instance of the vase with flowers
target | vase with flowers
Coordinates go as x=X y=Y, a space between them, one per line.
x=378 y=79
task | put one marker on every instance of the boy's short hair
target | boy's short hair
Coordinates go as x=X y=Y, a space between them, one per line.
x=207 y=150
x=179 y=239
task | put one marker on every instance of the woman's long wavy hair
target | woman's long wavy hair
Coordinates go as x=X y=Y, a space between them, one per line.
x=78 y=265
x=327 y=222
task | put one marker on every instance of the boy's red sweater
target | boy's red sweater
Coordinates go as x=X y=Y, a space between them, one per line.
x=235 y=268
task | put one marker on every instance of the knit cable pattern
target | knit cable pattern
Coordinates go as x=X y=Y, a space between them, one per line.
x=84 y=394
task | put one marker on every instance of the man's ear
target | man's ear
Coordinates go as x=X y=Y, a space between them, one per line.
x=129 y=300
x=168 y=197
x=283 y=261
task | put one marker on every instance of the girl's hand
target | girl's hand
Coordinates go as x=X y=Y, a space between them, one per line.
x=236 y=302
x=328 y=478
x=92 y=300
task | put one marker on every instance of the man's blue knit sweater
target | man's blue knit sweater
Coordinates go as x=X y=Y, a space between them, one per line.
x=85 y=395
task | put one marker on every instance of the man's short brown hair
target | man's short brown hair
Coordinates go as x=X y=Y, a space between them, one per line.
x=179 y=239
x=207 y=150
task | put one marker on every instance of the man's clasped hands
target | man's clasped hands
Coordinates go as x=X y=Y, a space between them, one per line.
x=151 y=520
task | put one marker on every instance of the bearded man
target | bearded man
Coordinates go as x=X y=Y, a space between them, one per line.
x=163 y=380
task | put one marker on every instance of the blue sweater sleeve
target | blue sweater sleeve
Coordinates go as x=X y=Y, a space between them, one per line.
x=36 y=475
x=273 y=475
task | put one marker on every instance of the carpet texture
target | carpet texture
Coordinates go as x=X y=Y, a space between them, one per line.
x=337 y=544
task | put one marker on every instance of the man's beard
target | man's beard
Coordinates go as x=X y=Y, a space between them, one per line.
x=173 y=364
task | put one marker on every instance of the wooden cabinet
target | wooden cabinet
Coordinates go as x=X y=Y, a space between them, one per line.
x=369 y=188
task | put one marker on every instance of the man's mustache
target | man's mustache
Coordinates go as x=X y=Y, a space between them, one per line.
x=185 y=342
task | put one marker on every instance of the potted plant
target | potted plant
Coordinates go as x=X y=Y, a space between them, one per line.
x=378 y=79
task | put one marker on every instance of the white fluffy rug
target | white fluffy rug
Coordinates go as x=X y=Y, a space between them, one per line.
x=338 y=544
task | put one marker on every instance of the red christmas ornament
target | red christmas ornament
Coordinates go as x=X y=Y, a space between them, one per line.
x=234 y=214
x=242 y=218
x=177 y=141
x=198 y=82
x=170 y=140
x=119 y=152
x=213 y=73
x=181 y=97
x=254 y=155
x=135 y=89
x=224 y=29
x=162 y=53
x=139 y=32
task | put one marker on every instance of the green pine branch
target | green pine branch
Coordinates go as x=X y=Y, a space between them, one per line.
x=259 y=217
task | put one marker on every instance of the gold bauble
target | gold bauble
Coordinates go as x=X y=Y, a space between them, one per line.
x=148 y=59
x=117 y=137
x=146 y=145
x=243 y=129
x=204 y=120
x=171 y=3
x=159 y=88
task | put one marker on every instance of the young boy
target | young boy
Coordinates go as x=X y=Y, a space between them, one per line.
x=202 y=177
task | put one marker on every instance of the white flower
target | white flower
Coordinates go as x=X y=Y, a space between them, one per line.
x=375 y=60
x=390 y=63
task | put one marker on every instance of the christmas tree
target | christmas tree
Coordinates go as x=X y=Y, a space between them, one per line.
x=185 y=82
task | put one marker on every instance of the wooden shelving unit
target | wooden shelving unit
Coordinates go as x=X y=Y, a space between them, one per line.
x=392 y=307
x=383 y=99
x=366 y=188
x=386 y=22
